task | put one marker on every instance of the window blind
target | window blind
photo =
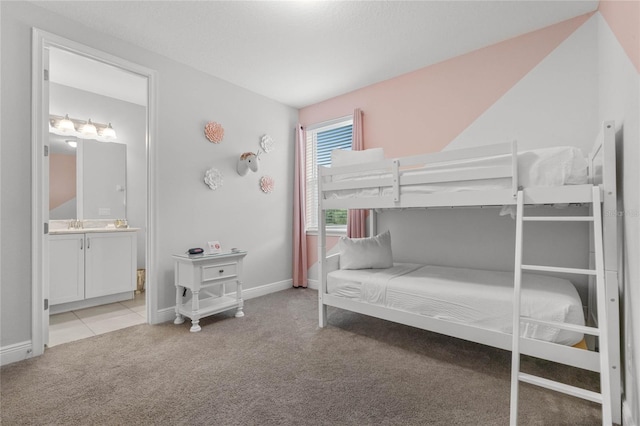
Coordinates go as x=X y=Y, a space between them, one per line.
x=320 y=142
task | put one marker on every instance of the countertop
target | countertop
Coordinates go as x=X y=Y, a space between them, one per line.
x=89 y=230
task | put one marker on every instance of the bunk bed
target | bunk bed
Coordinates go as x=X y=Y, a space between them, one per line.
x=495 y=175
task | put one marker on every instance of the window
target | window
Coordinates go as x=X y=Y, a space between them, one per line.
x=321 y=140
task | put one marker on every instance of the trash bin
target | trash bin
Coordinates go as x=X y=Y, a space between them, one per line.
x=140 y=282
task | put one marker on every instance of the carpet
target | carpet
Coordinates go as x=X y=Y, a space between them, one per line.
x=276 y=367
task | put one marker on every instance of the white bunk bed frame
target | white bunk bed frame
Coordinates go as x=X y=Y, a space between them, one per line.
x=603 y=153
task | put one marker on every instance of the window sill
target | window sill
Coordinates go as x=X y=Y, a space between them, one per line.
x=329 y=233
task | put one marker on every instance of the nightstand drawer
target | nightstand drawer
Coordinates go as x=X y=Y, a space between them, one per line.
x=223 y=271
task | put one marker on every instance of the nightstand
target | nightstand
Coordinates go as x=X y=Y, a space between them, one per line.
x=206 y=276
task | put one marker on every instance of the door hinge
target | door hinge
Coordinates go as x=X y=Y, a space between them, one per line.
x=46 y=304
x=46 y=150
x=46 y=228
x=46 y=75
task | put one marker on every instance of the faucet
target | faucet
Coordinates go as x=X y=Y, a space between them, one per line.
x=75 y=224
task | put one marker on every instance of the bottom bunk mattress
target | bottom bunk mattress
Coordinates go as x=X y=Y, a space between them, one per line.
x=470 y=296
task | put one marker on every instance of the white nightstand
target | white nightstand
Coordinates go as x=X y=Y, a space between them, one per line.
x=206 y=276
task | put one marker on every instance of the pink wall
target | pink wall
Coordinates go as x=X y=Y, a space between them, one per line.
x=62 y=183
x=624 y=19
x=424 y=110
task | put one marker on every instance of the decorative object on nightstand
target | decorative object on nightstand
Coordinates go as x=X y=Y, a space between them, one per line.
x=266 y=184
x=214 y=132
x=213 y=178
x=207 y=277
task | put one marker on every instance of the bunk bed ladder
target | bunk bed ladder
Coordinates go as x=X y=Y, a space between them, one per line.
x=604 y=397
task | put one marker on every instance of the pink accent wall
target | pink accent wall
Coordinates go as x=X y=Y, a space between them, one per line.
x=62 y=181
x=424 y=110
x=623 y=18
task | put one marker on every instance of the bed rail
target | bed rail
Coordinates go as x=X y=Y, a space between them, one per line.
x=390 y=176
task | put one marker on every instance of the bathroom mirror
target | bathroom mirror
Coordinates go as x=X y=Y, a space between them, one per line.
x=87 y=179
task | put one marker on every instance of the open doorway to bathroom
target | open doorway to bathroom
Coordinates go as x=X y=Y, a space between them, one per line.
x=96 y=181
x=92 y=121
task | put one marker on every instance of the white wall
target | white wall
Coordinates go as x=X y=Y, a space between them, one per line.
x=129 y=121
x=619 y=100
x=188 y=214
x=555 y=104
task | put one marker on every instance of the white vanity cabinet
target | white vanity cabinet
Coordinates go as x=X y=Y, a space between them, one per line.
x=66 y=268
x=84 y=267
x=110 y=263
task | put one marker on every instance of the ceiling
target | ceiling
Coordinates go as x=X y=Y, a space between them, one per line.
x=302 y=52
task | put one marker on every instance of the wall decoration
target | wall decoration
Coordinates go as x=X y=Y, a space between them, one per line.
x=213 y=178
x=214 y=131
x=248 y=161
x=267 y=143
x=266 y=184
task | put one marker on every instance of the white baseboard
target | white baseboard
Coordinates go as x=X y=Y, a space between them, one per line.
x=16 y=352
x=169 y=314
x=627 y=415
x=313 y=284
x=263 y=290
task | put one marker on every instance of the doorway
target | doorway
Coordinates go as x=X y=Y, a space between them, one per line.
x=73 y=79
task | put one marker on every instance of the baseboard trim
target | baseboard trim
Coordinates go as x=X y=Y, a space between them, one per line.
x=263 y=290
x=16 y=352
x=627 y=415
x=169 y=314
x=313 y=284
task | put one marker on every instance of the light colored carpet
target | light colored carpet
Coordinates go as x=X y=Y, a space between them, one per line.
x=276 y=367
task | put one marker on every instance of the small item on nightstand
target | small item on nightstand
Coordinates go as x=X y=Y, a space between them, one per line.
x=195 y=251
x=235 y=250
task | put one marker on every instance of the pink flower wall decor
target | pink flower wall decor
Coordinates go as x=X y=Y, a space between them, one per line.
x=214 y=131
x=266 y=184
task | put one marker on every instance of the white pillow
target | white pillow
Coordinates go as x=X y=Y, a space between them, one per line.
x=366 y=253
x=341 y=157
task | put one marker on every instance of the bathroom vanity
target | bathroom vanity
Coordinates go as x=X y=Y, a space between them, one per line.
x=91 y=266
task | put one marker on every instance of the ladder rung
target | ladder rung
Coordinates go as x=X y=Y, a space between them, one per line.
x=559 y=269
x=592 y=331
x=557 y=218
x=561 y=387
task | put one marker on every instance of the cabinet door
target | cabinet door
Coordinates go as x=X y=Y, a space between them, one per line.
x=110 y=263
x=66 y=268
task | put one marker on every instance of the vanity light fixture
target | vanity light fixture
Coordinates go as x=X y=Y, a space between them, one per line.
x=89 y=129
x=108 y=132
x=66 y=126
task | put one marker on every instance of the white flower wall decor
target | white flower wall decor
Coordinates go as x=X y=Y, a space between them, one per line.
x=266 y=184
x=267 y=143
x=213 y=177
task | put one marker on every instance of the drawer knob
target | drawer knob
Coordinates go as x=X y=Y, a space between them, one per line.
x=221 y=270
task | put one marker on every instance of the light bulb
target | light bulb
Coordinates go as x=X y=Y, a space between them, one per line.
x=66 y=125
x=89 y=129
x=108 y=132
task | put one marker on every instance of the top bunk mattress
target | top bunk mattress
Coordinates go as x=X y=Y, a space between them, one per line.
x=547 y=167
x=470 y=296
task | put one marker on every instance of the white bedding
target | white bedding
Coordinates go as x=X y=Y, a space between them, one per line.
x=546 y=167
x=470 y=296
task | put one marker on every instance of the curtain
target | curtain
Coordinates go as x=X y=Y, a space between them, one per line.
x=299 y=234
x=356 y=219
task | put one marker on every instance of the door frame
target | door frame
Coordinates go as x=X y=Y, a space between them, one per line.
x=41 y=41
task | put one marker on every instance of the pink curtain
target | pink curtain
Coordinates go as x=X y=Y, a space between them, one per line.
x=299 y=234
x=356 y=219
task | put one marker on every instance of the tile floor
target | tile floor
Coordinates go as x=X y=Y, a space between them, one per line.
x=75 y=325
